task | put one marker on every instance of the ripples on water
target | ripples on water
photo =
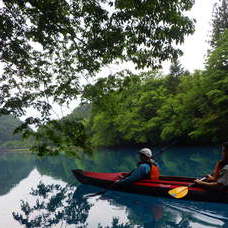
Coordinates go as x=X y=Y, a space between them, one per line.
x=43 y=193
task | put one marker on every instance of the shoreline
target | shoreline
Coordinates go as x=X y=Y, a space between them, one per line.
x=7 y=150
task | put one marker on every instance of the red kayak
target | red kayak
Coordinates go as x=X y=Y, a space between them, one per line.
x=156 y=187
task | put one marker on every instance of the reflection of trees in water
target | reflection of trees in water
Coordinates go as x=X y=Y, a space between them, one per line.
x=68 y=205
x=58 y=167
x=146 y=211
x=9 y=176
x=109 y=160
x=15 y=167
x=179 y=161
x=105 y=161
x=54 y=204
x=116 y=224
x=142 y=211
x=173 y=161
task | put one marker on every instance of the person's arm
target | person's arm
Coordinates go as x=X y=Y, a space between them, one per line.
x=209 y=184
x=211 y=178
x=222 y=180
x=139 y=173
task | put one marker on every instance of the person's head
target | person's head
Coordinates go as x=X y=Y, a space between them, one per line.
x=145 y=154
x=225 y=150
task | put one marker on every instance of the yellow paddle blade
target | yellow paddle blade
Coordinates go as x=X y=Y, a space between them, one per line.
x=179 y=192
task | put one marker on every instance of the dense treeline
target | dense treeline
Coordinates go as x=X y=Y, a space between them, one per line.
x=150 y=108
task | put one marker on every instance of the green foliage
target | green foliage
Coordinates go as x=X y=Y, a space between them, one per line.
x=46 y=46
x=217 y=61
x=216 y=93
x=145 y=108
x=121 y=108
x=83 y=111
x=219 y=21
x=129 y=109
x=176 y=70
x=61 y=137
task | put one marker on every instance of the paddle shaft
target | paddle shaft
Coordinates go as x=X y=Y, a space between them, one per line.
x=201 y=179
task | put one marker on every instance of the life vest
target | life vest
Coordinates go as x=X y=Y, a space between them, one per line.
x=154 y=172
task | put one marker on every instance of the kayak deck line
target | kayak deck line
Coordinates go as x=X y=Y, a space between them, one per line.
x=163 y=181
x=156 y=187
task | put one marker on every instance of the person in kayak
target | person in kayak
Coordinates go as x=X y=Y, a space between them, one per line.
x=147 y=169
x=219 y=177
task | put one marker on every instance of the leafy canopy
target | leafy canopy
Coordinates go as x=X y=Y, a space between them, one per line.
x=48 y=45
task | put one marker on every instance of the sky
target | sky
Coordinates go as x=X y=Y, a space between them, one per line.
x=195 y=50
x=195 y=46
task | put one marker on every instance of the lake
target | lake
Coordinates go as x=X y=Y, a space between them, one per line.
x=42 y=192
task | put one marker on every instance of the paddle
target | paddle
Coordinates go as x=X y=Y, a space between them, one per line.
x=182 y=191
x=101 y=192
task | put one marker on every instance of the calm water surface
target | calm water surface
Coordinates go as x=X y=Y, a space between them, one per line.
x=37 y=192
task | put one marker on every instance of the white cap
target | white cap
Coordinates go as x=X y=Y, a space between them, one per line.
x=146 y=151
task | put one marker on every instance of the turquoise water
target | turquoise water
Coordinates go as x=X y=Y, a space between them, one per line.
x=37 y=192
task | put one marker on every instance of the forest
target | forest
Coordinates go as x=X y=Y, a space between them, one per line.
x=151 y=108
x=9 y=140
x=126 y=108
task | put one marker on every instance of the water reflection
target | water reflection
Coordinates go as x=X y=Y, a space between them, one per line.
x=15 y=167
x=8 y=164
x=55 y=205
x=175 y=161
x=56 y=202
x=58 y=205
x=147 y=211
x=189 y=161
